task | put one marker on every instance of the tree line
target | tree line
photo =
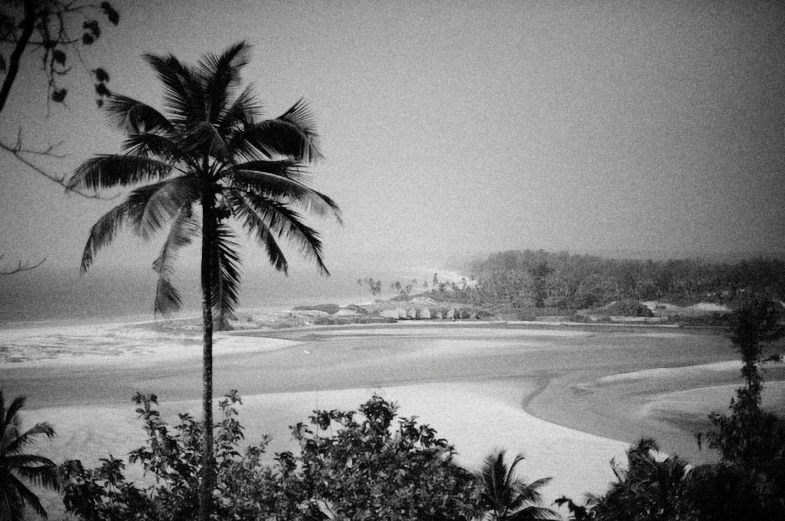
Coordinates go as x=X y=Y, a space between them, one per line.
x=570 y=281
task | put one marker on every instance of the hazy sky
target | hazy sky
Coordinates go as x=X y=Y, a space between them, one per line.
x=463 y=127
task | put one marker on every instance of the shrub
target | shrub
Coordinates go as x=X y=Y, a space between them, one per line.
x=368 y=468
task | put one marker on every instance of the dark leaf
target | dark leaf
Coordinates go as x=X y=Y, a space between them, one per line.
x=87 y=39
x=110 y=12
x=102 y=91
x=58 y=95
x=91 y=27
x=58 y=56
x=101 y=74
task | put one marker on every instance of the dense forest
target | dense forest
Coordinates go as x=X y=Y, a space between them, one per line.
x=540 y=279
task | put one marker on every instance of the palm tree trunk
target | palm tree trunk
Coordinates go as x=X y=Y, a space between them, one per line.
x=206 y=484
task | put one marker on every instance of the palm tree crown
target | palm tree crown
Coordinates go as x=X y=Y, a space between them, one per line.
x=208 y=150
x=15 y=466
x=507 y=497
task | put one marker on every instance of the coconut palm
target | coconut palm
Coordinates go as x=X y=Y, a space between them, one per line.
x=648 y=488
x=206 y=160
x=507 y=497
x=15 y=466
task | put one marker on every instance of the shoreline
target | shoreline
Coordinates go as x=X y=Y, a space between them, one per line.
x=125 y=342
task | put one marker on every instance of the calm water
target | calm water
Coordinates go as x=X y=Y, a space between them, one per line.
x=49 y=296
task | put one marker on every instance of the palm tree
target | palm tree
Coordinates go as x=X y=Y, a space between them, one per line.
x=506 y=497
x=38 y=470
x=208 y=153
x=648 y=488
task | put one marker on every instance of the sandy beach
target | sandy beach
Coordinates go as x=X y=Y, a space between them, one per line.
x=569 y=398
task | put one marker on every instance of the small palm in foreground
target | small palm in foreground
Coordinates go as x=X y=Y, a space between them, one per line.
x=38 y=470
x=506 y=497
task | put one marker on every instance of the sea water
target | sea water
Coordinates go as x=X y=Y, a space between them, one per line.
x=49 y=296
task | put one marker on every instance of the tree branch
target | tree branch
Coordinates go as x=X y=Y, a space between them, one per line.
x=21 y=267
x=20 y=153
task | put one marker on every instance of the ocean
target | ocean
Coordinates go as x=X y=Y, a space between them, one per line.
x=50 y=296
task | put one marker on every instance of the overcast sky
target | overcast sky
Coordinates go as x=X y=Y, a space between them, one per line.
x=463 y=127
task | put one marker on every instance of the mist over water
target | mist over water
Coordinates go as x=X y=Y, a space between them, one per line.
x=55 y=296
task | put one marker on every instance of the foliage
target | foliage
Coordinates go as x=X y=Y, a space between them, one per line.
x=16 y=466
x=54 y=29
x=375 y=286
x=506 y=496
x=173 y=457
x=648 y=489
x=521 y=279
x=539 y=273
x=349 y=467
x=750 y=436
x=371 y=469
x=403 y=291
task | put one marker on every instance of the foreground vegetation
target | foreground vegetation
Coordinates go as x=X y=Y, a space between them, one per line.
x=350 y=466
x=17 y=466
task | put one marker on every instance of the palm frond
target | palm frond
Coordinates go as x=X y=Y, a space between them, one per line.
x=153 y=205
x=527 y=492
x=507 y=496
x=20 y=441
x=510 y=477
x=102 y=233
x=279 y=180
x=239 y=115
x=494 y=472
x=531 y=513
x=11 y=502
x=300 y=115
x=181 y=234
x=167 y=298
x=220 y=75
x=134 y=116
x=108 y=171
x=146 y=144
x=27 y=496
x=226 y=280
x=183 y=230
x=202 y=136
x=38 y=470
x=274 y=138
x=257 y=225
x=12 y=413
x=260 y=213
x=183 y=94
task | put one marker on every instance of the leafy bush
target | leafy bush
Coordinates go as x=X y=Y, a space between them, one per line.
x=365 y=468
